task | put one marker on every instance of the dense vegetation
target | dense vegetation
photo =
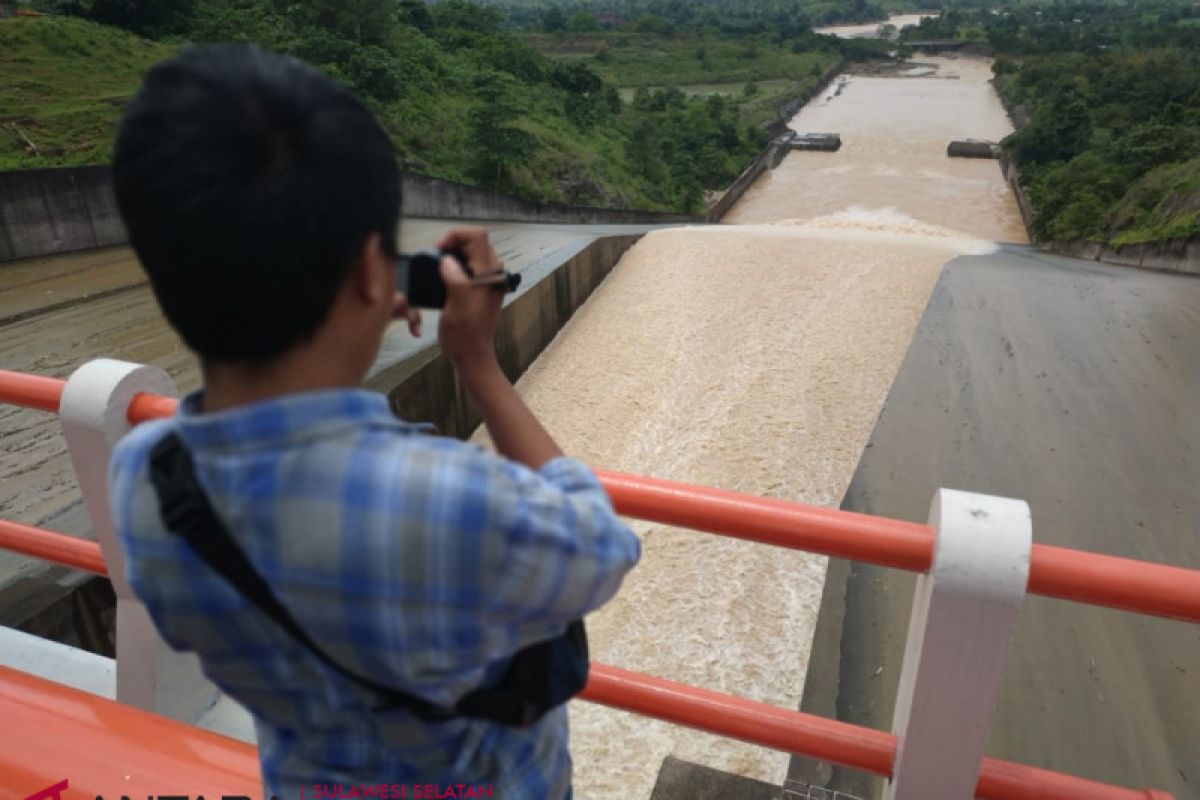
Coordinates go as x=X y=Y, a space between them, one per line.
x=1110 y=100
x=464 y=96
x=741 y=17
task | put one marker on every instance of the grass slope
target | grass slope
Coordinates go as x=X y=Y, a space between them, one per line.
x=1164 y=204
x=64 y=83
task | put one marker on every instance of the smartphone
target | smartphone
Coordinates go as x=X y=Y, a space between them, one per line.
x=419 y=276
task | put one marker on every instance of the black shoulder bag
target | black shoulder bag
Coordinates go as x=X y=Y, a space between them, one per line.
x=538 y=678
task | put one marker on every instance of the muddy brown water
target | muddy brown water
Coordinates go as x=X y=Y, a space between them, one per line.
x=895 y=131
x=870 y=30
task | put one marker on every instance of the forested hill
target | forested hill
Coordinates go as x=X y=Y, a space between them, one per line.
x=1108 y=97
x=463 y=95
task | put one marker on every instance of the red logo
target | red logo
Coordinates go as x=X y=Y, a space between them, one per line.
x=50 y=792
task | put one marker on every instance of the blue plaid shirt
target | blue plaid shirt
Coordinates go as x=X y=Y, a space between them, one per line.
x=419 y=561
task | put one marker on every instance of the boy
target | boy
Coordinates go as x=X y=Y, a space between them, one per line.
x=262 y=200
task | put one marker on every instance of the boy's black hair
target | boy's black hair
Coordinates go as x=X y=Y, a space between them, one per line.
x=248 y=182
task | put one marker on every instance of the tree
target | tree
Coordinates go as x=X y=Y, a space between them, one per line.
x=585 y=102
x=147 y=17
x=374 y=72
x=361 y=21
x=416 y=14
x=583 y=22
x=1058 y=131
x=496 y=145
x=644 y=152
x=554 y=20
x=653 y=23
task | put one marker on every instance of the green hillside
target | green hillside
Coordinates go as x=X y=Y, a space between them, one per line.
x=64 y=82
x=463 y=98
x=1108 y=96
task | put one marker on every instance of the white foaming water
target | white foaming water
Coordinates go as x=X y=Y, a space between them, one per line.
x=889 y=226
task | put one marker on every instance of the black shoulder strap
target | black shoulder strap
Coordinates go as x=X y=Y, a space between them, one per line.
x=187 y=512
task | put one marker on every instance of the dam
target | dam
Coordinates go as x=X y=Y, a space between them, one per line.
x=775 y=355
x=756 y=356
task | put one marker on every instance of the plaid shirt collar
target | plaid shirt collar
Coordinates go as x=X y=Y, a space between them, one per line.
x=285 y=419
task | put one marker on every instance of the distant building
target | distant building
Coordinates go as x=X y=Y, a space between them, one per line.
x=8 y=10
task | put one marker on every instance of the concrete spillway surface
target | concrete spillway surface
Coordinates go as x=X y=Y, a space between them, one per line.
x=752 y=358
x=1075 y=386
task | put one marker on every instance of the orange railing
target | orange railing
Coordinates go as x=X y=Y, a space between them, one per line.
x=1125 y=583
x=1057 y=572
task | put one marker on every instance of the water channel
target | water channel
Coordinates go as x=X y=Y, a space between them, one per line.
x=756 y=356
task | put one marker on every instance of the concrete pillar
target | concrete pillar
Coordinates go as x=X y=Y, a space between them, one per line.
x=963 y=615
x=93 y=414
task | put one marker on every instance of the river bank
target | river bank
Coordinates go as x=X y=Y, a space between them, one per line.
x=1180 y=255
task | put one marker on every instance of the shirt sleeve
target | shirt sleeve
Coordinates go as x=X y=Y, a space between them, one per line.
x=564 y=553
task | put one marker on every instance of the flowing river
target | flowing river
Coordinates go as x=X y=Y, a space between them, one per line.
x=756 y=357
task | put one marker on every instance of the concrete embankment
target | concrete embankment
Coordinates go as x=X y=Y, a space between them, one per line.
x=1071 y=385
x=1169 y=255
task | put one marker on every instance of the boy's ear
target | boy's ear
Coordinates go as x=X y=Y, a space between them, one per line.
x=372 y=276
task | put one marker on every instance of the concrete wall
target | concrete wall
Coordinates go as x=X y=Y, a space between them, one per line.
x=425 y=388
x=1012 y=174
x=62 y=209
x=1170 y=255
x=56 y=211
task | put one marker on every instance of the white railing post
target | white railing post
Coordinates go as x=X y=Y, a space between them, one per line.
x=964 y=612
x=93 y=411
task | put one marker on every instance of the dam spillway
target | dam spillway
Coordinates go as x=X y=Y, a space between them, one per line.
x=756 y=357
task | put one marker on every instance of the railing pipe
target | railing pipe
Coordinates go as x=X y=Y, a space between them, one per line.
x=1004 y=780
x=737 y=718
x=31 y=391
x=844 y=534
x=1123 y=583
x=145 y=407
x=70 y=551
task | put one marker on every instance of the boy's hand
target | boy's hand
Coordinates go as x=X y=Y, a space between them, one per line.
x=402 y=310
x=467 y=329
